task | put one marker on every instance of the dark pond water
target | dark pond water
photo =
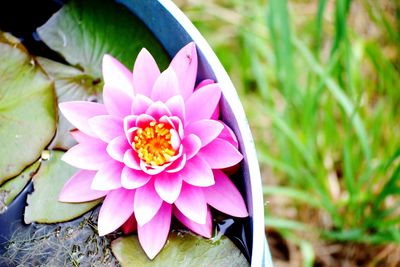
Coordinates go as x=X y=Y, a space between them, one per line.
x=21 y=18
x=41 y=243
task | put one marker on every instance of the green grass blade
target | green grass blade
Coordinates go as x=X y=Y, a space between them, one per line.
x=307 y=252
x=340 y=96
x=391 y=187
x=273 y=162
x=280 y=32
x=341 y=13
x=348 y=170
x=285 y=224
x=292 y=193
x=282 y=124
x=257 y=67
x=319 y=23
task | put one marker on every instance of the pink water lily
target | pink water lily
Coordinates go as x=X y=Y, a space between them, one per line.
x=154 y=149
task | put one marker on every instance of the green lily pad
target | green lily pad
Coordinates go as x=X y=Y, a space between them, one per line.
x=181 y=249
x=71 y=84
x=43 y=205
x=83 y=31
x=27 y=108
x=10 y=190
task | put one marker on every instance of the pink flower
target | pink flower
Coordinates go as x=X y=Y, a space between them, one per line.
x=153 y=149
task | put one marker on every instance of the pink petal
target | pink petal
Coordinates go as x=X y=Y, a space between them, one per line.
x=204 y=83
x=175 y=122
x=157 y=110
x=81 y=137
x=130 y=122
x=202 y=103
x=107 y=127
x=201 y=229
x=132 y=179
x=185 y=66
x=224 y=196
x=177 y=164
x=228 y=135
x=154 y=234
x=192 y=204
x=177 y=106
x=191 y=145
x=108 y=177
x=78 y=113
x=145 y=73
x=206 y=130
x=117 y=75
x=132 y=160
x=166 y=86
x=117 y=148
x=220 y=154
x=116 y=209
x=143 y=120
x=117 y=102
x=87 y=156
x=140 y=104
x=168 y=186
x=215 y=114
x=130 y=135
x=130 y=225
x=147 y=203
x=178 y=125
x=197 y=172
x=78 y=188
x=153 y=170
x=175 y=139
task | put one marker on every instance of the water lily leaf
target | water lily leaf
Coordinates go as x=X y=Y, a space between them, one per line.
x=83 y=31
x=71 y=84
x=43 y=205
x=181 y=249
x=10 y=190
x=27 y=108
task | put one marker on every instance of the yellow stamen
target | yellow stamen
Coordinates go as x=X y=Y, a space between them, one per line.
x=153 y=144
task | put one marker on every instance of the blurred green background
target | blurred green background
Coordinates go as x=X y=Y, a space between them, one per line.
x=319 y=81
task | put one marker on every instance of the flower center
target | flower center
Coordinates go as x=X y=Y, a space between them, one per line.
x=153 y=144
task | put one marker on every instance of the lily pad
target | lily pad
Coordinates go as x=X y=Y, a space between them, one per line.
x=10 y=189
x=43 y=205
x=71 y=84
x=83 y=31
x=181 y=249
x=27 y=108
